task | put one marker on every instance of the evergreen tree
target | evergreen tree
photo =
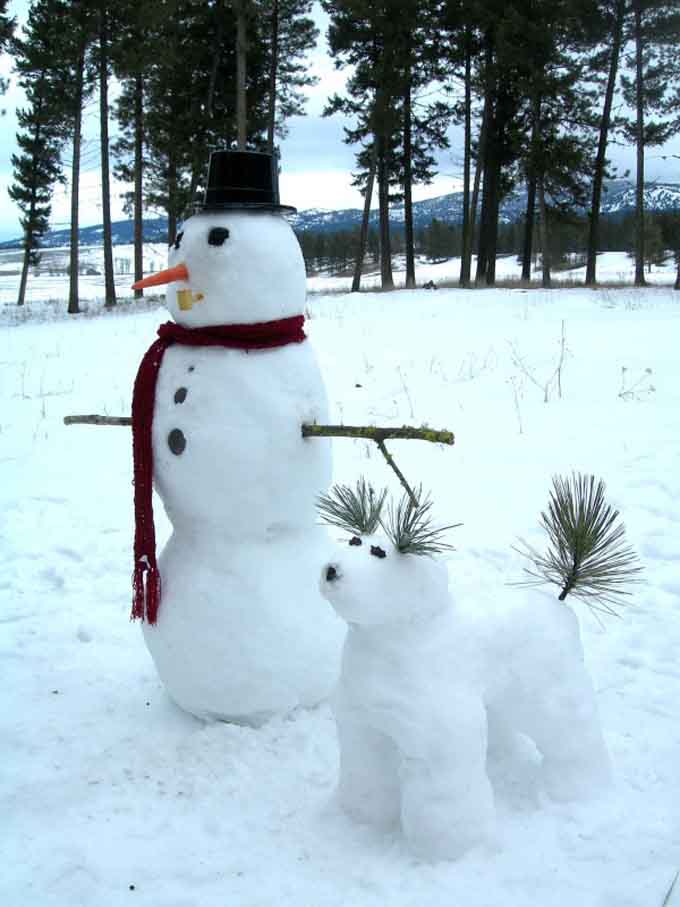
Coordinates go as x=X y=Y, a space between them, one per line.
x=611 y=23
x=37 y=167
x=503 y=68
x=459 y=29
x=356 y=38
x=6 y=31
x=133 y=52
x=655 y=247
x=79 y=26
x=103 y=62
x=287 y=35
x=654 y=24
x=390 y=47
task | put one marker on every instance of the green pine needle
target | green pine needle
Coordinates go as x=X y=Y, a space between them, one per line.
x=587 y=556
x=356 y=511
x=409 y=527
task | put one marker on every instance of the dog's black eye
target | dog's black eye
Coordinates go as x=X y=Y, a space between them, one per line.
x=178 y=240
x=377 y=551
x=355 y=540
x=217 y=236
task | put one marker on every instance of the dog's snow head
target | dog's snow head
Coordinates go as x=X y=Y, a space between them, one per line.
x=372 y=583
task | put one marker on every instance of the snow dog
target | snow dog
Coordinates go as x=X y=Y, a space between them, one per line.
x=422 y=689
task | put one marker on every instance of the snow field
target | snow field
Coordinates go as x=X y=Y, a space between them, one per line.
x=106 y=785
x=612 y=267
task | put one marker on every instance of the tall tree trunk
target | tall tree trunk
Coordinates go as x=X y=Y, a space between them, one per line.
x=474 y=204
x=198 y=166
x=601 y=157
x=24 y=274
x=273 y=69
x=172 y=201
x=241 y=60
x=490 y=100
x=545 y=234
x=492 y=234
x=109 y=285
x=73 y=306
x=217 y=56
x=528 y=240
x=486 y=250
x=386 y=278
x=408 y=185
x=677 y=276
x=640 y=143
x=531 y=188
x=139 y=166
x=466 y=251
x=29 y=237
x=363 y=235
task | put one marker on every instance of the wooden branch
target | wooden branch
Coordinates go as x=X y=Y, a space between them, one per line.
x=97 y=420
x=365 y=432
x=374 y=433
x=380 y=435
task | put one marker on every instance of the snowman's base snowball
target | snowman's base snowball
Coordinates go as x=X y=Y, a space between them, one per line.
x=230 y=644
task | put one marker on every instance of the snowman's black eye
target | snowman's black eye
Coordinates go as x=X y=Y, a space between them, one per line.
x=217 y=236
x=355 y=540
x=178 y=240
x=377 y=551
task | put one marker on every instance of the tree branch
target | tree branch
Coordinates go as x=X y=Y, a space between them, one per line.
x=97 y=420
x=365 y=432
x=379 y=435
x=374 y=433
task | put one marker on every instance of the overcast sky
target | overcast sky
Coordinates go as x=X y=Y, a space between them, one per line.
x=316 y=164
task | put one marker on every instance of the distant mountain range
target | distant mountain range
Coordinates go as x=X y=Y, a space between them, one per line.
x=619 y=200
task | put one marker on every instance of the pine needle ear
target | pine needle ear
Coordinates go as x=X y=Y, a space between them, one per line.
x=409 y=527
x=356 y=510
x=587 y=556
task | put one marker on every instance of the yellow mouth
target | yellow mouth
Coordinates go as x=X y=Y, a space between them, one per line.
x=186 y=299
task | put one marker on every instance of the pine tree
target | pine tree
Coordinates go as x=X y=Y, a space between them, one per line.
x=459 y=29
x=389 y=46
x=192 y=99
x=133 y=52
x=7 y=26
x=611 y=24
x=103 y=60
x=80 y=26
x=503 y=67
x=287 y=34
x=356 y=38
x=654 y=24
x=37 y=168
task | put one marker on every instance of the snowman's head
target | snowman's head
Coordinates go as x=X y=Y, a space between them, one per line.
x=233 y=267
x=371 y=583
x=388 y=570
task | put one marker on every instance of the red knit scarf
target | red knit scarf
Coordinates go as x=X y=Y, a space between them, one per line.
x=264 y=335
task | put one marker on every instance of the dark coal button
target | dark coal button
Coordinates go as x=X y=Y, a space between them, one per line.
x=180 y=395
x=176 y=441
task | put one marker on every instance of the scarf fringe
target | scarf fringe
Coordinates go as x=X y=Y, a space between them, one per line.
x=146 y=586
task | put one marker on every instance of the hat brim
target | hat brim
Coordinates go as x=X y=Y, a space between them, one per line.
x=243 y=206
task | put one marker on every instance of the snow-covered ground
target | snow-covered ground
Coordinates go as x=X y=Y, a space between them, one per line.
x=111 y=795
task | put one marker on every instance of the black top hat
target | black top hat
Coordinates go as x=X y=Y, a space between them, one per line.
x=246 y=180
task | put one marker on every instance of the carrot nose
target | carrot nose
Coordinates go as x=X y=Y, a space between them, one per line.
x=179 y=272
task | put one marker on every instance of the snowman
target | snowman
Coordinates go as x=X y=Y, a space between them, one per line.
x=232 y=614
